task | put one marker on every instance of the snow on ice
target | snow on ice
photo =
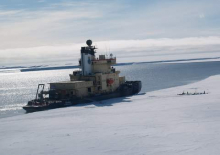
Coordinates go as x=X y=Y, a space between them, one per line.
x=156 y=123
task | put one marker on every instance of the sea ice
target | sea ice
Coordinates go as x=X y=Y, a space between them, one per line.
x=156 y=123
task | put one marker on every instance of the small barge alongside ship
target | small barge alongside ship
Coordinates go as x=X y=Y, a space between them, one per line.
x=96 y=80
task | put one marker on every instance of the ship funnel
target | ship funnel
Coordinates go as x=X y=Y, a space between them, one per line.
x=87 y=55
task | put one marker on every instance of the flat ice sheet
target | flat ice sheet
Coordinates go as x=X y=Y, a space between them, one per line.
x=156 y=123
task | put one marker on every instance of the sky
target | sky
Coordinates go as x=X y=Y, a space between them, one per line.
x=54 y=28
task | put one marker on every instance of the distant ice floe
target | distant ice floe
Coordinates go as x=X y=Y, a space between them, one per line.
x=9 y=70
x=68 y=66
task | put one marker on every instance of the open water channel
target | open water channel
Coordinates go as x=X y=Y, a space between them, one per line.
x=16 y=89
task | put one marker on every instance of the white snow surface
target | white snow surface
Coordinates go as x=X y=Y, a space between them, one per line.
x=156 y=123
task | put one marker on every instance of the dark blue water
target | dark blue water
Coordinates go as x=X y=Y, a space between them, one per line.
x=17 y=88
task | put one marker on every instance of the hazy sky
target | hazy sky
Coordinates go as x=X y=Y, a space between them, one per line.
x=29 y=24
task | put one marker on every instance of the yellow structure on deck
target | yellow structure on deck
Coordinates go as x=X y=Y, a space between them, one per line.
x=97 y=76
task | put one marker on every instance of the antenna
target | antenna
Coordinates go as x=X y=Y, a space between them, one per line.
x=96 y=46
x=108 y=47
x=105 y=48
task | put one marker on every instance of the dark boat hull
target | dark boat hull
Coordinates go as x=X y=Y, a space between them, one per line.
x=30 y=108
x=127 y=89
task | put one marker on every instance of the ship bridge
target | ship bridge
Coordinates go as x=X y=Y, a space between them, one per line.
x=99 y=70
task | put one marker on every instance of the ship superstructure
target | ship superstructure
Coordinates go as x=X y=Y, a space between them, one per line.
x=96 y=79
x=97 y=76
